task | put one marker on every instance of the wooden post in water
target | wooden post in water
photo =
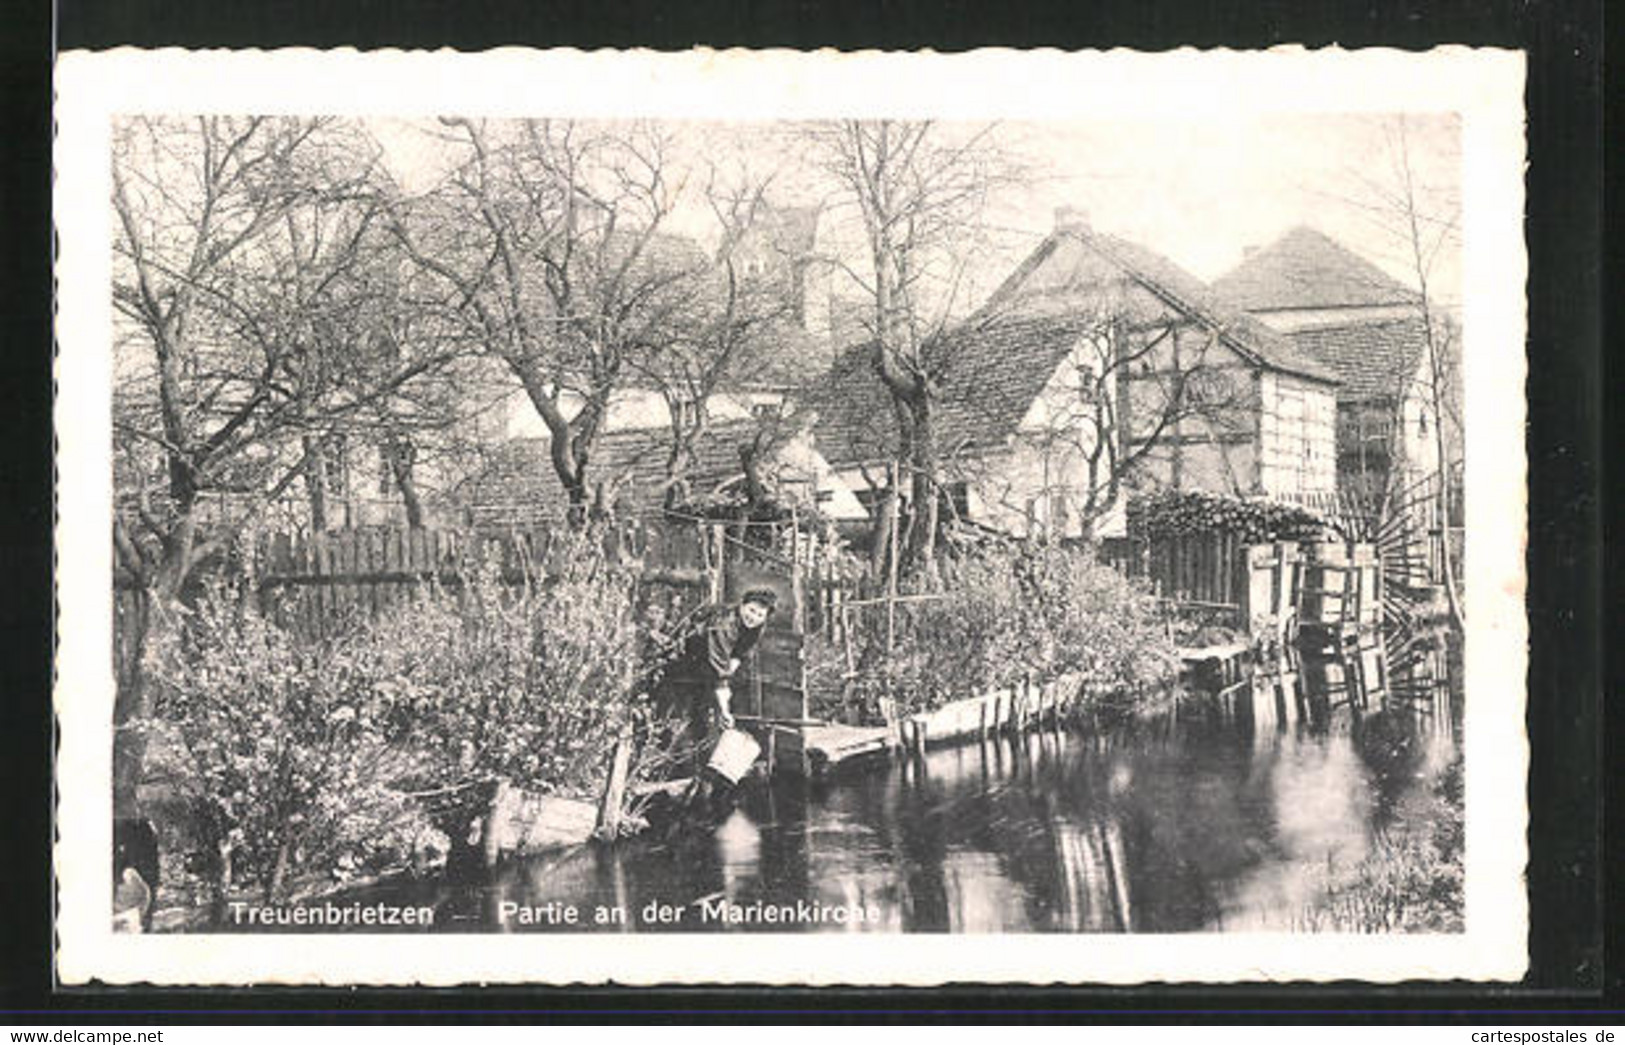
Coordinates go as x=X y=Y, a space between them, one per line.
x=495 y=821
x=798 y=617
x=609 y=809
x=891 y=560
x=718 y=551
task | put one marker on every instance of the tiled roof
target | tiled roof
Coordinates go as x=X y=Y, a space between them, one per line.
x=1374 y=358
x=1308 y=269
x=993 y=369
x=781 y=355
x=520 y=486
x=997 y=362
x=1177 y=288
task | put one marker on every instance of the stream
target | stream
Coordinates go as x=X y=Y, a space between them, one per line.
x=1217 y=811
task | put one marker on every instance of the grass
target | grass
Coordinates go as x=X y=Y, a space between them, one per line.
x=1411 y=881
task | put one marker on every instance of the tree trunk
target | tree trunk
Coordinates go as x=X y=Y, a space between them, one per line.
x=130 y=707
x=316 y=483
x=158 y=594
x=750 y=457
x=222 y=882
x=570 y=441
x=401 y=465
x=922 y=544
x=886 y=508
x=279 y=872
x=1458 y=619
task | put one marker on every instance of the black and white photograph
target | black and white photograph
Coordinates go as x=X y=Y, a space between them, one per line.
x=1057 y=540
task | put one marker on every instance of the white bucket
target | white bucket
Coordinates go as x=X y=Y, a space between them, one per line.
x=734 y=754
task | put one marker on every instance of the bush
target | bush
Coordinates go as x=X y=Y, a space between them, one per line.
x=301 y=756
x=1412 y=879
x=1089 y=619
x=286 y=757
x=530 y=683
x=1003 y=611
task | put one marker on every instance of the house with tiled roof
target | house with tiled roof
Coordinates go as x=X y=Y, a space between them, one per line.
x=1096 y=361
x=518 y=487
x=772 y=262
x=1362 y=324
x=1306 y=278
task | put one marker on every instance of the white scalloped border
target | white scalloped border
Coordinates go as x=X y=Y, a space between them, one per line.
x=1485 y=87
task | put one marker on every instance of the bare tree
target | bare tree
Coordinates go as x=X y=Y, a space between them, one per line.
x=920 y=194
x=740 y=325
x=247 y=335
x=550 y=240
x=1424 y=219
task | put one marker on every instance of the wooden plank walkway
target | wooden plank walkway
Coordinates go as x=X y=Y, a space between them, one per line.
x=829 y=745
x=1217 y=665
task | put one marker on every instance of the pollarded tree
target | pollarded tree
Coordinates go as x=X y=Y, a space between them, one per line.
x=550 y=241
x=919 y=193
x=248 y=332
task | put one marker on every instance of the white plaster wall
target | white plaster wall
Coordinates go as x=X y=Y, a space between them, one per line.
x=1298 y=435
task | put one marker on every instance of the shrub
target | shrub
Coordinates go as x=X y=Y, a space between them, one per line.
x=1003 y=611
x=288 y=762
x=530 y=683
x=1412 y=879
x=1089 y=619
x=301 y=756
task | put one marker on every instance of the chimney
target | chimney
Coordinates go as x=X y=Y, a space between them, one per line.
x=1071 y=219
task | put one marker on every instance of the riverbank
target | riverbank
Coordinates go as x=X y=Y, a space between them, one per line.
x=1413 y=877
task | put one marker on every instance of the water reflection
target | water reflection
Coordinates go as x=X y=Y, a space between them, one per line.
x=1219 y=811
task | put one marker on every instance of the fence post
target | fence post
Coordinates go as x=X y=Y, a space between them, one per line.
x=718 y=550
x=609 y=809
x=799 y=616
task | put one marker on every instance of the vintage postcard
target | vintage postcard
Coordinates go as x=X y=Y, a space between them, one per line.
x=790 y=518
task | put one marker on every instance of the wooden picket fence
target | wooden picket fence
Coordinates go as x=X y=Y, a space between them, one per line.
x=1203 y=570
x=313 y=584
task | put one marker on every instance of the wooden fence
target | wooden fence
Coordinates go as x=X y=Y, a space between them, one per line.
x=1204 y=571
x=313 y=583
x=1222 y=578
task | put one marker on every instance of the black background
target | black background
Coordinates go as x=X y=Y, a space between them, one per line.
x=1569 y=425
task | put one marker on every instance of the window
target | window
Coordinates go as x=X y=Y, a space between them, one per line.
x=764 y=411
x=688 y=412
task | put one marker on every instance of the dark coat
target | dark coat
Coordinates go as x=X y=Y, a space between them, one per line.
x=703 y=663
